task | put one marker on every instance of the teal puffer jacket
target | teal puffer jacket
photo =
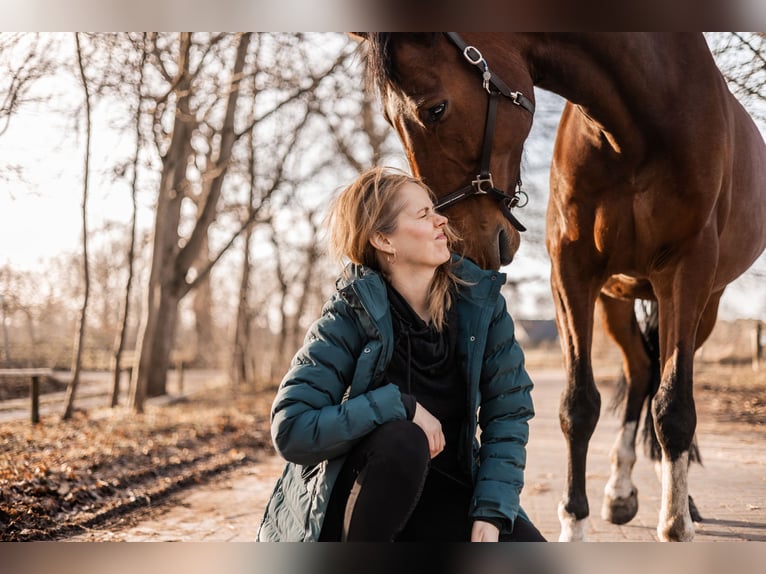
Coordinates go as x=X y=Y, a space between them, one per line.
x=335 y=393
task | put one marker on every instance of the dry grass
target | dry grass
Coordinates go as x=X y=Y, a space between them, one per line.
x=730 y=392
x=58 y=477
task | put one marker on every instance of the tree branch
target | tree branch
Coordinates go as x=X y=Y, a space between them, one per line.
x=253 y=214
x=316 y=80
x=189 y=252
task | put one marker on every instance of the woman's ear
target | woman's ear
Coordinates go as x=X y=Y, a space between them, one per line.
x=359 y=36
x=381 y=243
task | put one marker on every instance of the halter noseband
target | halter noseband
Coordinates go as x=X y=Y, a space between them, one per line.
x=483 y=183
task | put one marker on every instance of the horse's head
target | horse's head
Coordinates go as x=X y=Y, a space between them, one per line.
x=435 y=99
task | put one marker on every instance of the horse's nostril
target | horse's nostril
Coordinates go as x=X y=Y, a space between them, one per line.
x=504 y=247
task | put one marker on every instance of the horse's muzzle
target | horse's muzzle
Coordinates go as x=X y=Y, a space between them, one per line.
x=505 y=247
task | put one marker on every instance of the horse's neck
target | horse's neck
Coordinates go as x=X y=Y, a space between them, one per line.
x=627 y=84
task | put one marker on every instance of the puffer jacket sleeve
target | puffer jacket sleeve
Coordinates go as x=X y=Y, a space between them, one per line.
x=506 y=407
x=312 y=419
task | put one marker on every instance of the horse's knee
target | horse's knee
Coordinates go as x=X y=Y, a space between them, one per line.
x=675 y=421
x=579 y=411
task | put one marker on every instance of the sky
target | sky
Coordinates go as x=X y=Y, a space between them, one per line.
x=40 y=211
x=40 y=215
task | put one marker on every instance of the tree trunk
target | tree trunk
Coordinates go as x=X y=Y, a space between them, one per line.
x=171 y=263
x=119 y=345
x=159 y=358
x=278 y=359
x=161 y=276
x=241 y=371
x=165 y=244
x=313 y=253
x=80 y=335
x=206 y=347
x=6 y=350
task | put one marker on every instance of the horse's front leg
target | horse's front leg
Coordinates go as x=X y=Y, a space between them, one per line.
x=675 y=420
x=575 y=294
x=620 y=494
x=683 y=298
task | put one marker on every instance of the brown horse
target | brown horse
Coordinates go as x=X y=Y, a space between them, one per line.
x=656 y=193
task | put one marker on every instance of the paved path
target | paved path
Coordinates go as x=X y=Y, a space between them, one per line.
x=730 y=490
x=94 y=391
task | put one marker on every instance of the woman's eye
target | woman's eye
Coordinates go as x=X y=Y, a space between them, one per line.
x=435 y=113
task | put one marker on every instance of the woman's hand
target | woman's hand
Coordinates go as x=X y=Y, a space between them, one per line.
x=484 y=532
x=431 y=427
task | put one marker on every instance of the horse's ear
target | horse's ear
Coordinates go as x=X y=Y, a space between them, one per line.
x=359 y=35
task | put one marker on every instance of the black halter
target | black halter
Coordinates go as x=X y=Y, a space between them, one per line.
x=483 y=183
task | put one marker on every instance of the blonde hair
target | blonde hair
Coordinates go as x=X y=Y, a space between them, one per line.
x=370 y=205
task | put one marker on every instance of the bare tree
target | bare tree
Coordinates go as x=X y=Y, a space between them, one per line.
x=242 y=369
x=297 y=252
x=81 y=325
x=206 y=345
x=283 y=292
x=200 y=153
x=242 y=366
x=741 y=56
x=312 y=252
x=21 y=295
x=168 y=277
x=25 y=58
x=120 y=340
x=23 y=62
x=261 y=189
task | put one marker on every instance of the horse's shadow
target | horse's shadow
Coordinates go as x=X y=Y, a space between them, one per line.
x=739 y=525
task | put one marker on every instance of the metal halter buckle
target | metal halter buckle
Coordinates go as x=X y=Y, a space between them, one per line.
x=478 y=183
x=476 y=60
x=518 y=199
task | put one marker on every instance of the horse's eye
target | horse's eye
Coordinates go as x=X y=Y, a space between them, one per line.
x=435 y=113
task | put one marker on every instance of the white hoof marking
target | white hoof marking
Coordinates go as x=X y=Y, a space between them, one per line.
x=675 y=523
x=572 y=530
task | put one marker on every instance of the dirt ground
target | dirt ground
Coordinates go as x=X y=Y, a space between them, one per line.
x=189 y=469
x=57 y=478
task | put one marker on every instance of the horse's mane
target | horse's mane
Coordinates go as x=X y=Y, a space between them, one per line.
x=380 y=69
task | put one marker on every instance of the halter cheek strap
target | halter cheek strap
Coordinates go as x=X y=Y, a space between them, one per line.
x=473 y=55
x=483 y=183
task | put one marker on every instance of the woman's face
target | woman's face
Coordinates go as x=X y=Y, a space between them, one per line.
x=419 y=240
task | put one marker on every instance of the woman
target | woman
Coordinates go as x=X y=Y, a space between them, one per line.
x=378 y=413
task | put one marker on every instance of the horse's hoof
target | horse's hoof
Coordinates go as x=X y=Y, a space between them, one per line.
x=572 y=529
x=695 y=513
x=675 y=527
x=620 y=510
x=675 y=531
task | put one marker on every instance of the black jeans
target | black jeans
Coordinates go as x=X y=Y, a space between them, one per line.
x=386 y=491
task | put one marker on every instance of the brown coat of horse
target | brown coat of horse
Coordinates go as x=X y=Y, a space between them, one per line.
x=657 y=192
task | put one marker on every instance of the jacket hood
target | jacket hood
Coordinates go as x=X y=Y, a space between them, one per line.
x=368 y=286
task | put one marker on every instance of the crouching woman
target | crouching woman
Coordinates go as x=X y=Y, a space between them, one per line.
x=378 y=414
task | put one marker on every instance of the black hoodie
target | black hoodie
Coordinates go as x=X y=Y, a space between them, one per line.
x=424 y=367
